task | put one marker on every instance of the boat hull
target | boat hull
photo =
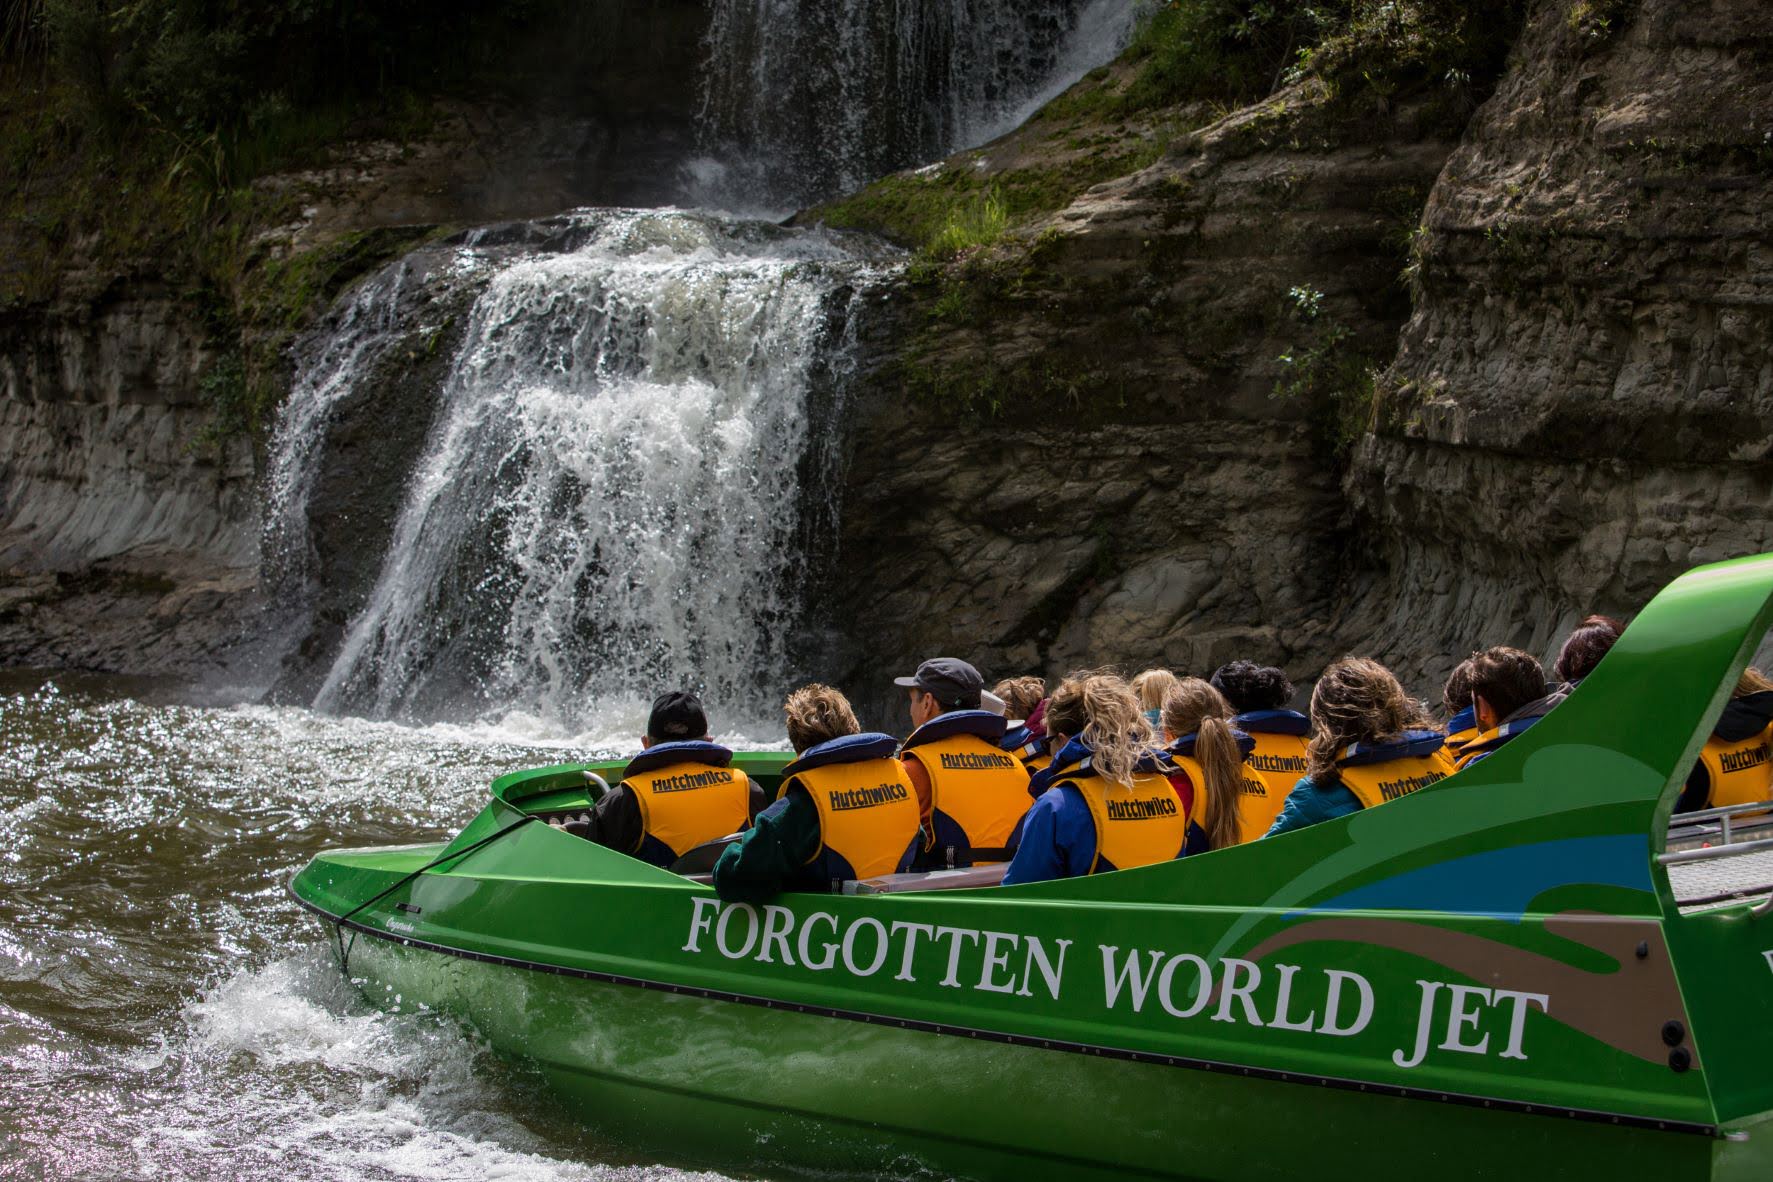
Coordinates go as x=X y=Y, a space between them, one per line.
x=701 y=1081
x=1486 y=977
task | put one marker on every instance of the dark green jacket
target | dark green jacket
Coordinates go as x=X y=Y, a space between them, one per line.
x=773 y=854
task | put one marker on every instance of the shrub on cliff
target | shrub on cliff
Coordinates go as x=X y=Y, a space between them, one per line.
x=1234 y=52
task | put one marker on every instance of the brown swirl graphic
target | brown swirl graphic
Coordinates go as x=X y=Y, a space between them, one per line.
x=1625 y=1008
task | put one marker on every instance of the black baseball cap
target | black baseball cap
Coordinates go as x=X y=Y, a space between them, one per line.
x=676 y=715
x=955 y=684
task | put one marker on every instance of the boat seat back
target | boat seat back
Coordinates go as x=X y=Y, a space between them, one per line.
x=700 y=859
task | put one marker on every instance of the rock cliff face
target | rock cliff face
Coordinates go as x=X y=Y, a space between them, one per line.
x=1569 y=403
x=1400 y=370
x=129 y=534
x=1119 y=439
x=125 y=542
x=1582 y=402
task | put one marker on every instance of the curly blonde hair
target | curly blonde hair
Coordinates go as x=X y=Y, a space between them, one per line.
x=1100 y=708
x=1357 y=701
x=817 y=714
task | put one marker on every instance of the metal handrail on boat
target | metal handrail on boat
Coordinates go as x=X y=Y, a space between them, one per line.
x=1682 y=819
x=1711 y=852
x=1687 y=825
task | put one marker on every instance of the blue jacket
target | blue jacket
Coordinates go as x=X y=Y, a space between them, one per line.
x=1058 y=834
x=1465 y=720
x=1310 y=802
x=1272 y=722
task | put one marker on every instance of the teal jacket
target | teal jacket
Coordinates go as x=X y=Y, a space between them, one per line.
x=1310 y=802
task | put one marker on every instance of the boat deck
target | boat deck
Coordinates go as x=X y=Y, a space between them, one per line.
x=1721 y=857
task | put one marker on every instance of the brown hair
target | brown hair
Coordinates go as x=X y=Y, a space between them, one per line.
x=1020 y=694
x=1153 y=686
x=1506 y=678
x=1356 y=701
x=1585 y=647
x=1456 y=694
x=1752 y=681
x=1099 y=708
x=1194 y=707
x=817 y=714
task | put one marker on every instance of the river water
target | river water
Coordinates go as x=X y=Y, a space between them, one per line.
x=629 y=465
x=166 y=1010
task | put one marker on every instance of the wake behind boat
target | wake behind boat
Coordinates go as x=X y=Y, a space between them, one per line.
x=1491 y=975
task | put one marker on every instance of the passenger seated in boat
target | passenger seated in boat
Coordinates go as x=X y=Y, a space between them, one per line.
x=1370 y=743
x=680 y=791
x=1508 y=695
x=972 y=793
x=1153 y=686
x=1211 y=777
x=1259 y=696
x=1111 y=805
x=1026 y=738
x=1583 y=649
x=845 y=811
x=1736 y=764
x=1462 y=724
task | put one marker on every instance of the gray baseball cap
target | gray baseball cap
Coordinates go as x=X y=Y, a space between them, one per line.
x=955 y=684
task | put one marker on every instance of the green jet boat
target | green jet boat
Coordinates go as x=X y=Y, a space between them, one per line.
x=1493 y=977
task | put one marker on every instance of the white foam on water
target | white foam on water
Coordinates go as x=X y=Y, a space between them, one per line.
x=313 y=1083
x=610 y=499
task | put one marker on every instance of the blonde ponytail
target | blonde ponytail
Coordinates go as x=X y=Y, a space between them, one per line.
x=1222 y=763
x=1101 y=709
x=1194 y=707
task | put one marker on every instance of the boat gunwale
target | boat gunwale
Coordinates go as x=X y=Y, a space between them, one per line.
x=1214 y=1066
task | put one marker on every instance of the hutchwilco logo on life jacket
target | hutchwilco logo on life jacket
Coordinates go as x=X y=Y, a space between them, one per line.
x=1741 y=761
x=688 y=780
x=867 y=798
x=1392 y=789
x=971 y=761
x=1141 y=810
x=1277 y=763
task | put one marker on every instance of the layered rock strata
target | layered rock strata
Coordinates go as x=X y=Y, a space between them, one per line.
x=1582 y=403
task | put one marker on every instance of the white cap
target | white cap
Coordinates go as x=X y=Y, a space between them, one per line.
x=990 y=701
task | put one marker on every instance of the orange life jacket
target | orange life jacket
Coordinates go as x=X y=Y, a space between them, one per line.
x=978 y=791
x=1419 y=763
x=1134 y=826
x=686 y=795
x=1741 y=772
x=868 y=813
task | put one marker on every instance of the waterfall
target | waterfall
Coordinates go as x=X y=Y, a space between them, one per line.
x=550 y=467
x=610 y=495
x=802 y=100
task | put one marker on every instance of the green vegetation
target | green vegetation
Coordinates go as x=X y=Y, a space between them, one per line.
x=132 y=132
x=942 y=212
x=1231 y=53
x=1593 y=21
x=1330 y=372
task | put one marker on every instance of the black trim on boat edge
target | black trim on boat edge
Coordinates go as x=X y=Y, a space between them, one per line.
x=1077 y=1048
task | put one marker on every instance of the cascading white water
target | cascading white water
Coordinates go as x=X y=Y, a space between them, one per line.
x=610 y=494
x=805 y=99
x=622 y=476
